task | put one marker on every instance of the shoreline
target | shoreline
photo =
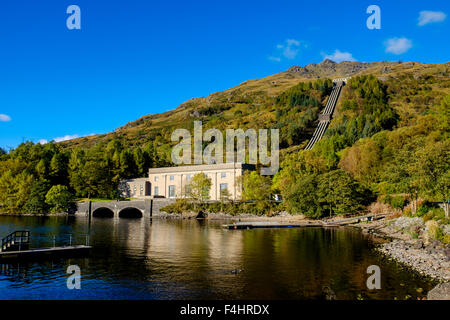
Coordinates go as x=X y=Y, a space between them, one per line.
x=428 y=258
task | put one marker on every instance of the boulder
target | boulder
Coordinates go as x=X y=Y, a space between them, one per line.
x=440 y=292
x=418 y=244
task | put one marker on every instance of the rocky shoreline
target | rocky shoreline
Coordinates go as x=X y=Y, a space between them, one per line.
x=409 y=245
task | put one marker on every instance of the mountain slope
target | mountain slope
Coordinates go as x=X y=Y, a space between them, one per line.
x=412 y=87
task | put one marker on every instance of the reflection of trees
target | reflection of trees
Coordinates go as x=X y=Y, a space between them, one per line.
x=192 y=259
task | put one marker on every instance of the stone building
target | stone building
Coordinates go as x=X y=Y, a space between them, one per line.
x=134 y=188
x=170 y=182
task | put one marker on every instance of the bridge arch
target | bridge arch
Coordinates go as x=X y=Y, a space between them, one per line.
x=130 y=212
x=103 y=212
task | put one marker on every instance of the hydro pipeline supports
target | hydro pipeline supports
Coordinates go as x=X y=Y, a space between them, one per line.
x=325 y=116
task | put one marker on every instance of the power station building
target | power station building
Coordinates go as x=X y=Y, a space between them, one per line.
x=171 y=182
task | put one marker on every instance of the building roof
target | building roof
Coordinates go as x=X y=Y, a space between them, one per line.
x=202 y=167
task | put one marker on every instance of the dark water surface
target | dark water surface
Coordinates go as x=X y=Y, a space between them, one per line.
x=189 y=259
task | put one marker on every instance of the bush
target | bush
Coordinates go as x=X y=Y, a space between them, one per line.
x=259 y=208
x=437 y=214
x=432 y=229
x=396 y=202
x=179 y=206
x=423 y=209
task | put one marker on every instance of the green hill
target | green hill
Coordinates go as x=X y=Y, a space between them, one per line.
x=412 y=89
x=391 y=122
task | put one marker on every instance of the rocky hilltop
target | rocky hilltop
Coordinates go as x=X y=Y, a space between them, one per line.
x=329 y=68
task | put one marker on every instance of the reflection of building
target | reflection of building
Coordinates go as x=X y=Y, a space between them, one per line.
x=171 y=182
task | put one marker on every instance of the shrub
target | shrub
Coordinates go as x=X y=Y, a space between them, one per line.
x=446 y=239
x=423 y=209
x=432 y=229
x=379 y=207
x=59 y=198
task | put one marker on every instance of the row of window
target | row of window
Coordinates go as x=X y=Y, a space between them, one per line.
x=141 y=190
x=222 y=186
x=188 y=176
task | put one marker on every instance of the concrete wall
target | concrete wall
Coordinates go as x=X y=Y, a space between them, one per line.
x=148 y=207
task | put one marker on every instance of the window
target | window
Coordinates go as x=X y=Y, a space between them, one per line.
x=156 y=178
x=223 y=186
x=187 y=190
x=188 y=177
x=171 y=191
x=223 y=175
x=171 y=178
x=156 y=191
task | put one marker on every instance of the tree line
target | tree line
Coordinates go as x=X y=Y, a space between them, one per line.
x=36 y=178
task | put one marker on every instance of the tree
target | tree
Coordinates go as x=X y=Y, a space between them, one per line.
x=255 y=186
x=140 y=163
x=339 y=194
x=331 y=193
x=41 y=169
x=59 y=198
x=433 y=169
x=362 y=160
x=301 y=197
x=36 y=203
x=199 y=187
x=224 y=197
x=58 y=169
x=15 y=190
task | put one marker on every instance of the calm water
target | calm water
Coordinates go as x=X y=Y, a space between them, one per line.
x=174 y=259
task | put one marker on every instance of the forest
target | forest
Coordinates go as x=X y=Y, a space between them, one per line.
x=376 y=149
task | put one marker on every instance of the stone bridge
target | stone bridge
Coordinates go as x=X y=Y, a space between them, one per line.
x=123 y=209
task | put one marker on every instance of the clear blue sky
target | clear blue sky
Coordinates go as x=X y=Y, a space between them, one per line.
x=133 y=58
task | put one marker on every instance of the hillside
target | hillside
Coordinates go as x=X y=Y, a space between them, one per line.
x=389 y=138
x=413 y=87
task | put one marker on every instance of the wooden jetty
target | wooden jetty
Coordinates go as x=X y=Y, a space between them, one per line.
x=16 y=246
x=266 y=224
x=44 y=252
x=326 y=224
x=353 y=220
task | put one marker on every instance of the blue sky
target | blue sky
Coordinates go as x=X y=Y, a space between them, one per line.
x=133 y=58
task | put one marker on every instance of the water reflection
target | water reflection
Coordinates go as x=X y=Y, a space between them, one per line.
x=190 y=259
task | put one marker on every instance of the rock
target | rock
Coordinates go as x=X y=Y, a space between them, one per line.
x=447 y=253
x=418 y=244
x=201 y=215
x=446 y=229
x=408 y=224
x=386 y=70
x=440 y=292
x=236 y=271
x=328 y=293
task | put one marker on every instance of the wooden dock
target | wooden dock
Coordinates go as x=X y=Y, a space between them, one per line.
x=266 y=224
x=353 y=220
x=326 y=224
x=44 y=252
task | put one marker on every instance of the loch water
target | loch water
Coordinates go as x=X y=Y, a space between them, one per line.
x=147 y=258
